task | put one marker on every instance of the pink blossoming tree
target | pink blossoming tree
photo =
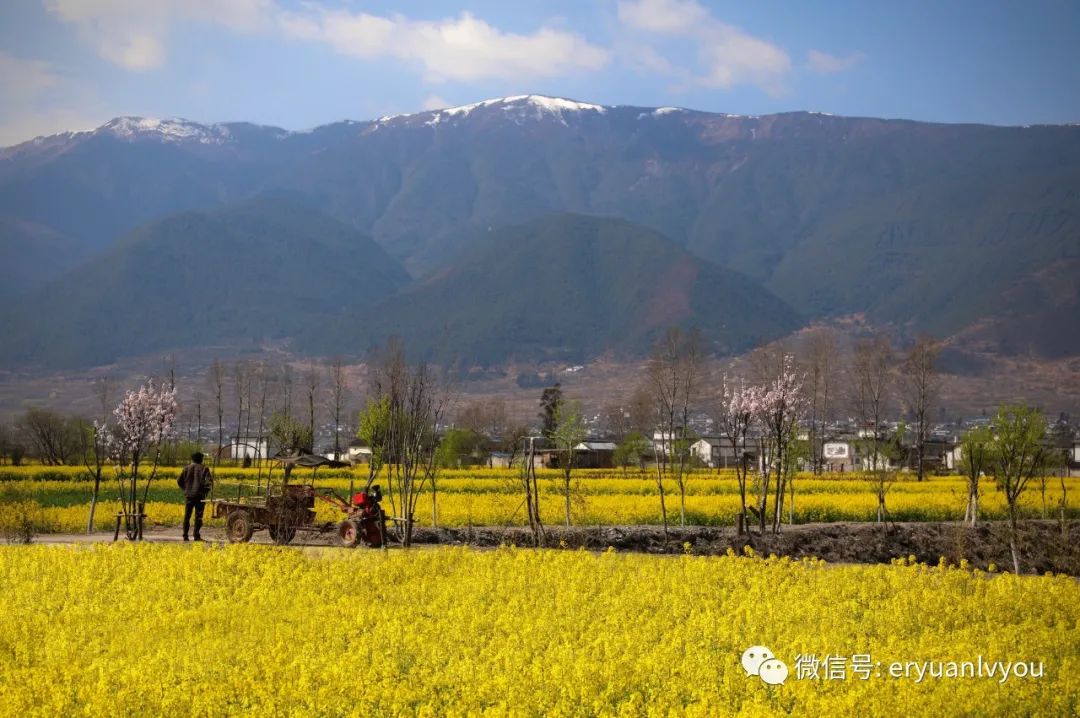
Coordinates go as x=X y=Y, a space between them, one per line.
x=734 y=417
x=144 y=420
x=777 y=406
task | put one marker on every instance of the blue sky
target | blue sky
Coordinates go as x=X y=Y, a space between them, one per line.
x=74 y=64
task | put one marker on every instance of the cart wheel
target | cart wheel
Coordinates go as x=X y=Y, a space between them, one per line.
x=239 y=527
x=349 y=533
x=283 y=535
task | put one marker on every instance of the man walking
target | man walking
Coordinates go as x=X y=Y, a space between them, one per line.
x=195 y=482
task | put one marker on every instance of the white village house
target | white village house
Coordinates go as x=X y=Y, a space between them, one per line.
x=249 y=447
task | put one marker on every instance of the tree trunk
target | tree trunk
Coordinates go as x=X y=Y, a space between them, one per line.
x=680 y=469
x=1013 y=530
x=778 y=508
x=663 y=503
x=681 y=484
x=920 y=450
x=93 y=503
x=663 y=509
x=971 y=512
x=778 y=504
x=791 y=505
x=881 y=500
x=566 y=495
x=1061 y=507
x=741 y=477
x=434 y=506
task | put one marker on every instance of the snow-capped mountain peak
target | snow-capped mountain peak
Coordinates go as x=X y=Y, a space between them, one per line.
x=168 y=130
x=516 y=108
x=541 y=103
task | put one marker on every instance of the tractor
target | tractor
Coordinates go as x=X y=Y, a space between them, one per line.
x=284 y=508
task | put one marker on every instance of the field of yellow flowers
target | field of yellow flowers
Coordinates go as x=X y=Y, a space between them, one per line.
x=59 y=498
x=155 y=629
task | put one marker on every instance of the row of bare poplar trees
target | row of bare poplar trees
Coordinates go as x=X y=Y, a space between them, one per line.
x=867 y=380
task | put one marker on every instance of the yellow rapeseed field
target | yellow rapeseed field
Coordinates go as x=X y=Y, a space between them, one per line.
x=493 y=497
x=259 y=630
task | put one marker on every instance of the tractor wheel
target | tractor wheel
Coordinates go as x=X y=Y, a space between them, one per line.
x=283 y=535
x=239 y=527
x=349 y=533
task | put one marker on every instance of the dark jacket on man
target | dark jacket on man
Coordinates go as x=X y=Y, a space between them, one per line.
x=195 y=481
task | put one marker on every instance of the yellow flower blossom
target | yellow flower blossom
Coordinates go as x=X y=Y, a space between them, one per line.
x=173 y=630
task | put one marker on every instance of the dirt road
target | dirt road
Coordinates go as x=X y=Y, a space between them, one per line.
x=1044 y=546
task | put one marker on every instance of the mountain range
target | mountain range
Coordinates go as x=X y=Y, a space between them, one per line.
x=450 y=227
x=565 y=287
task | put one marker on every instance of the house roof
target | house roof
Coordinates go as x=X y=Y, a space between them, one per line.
x=596 y=446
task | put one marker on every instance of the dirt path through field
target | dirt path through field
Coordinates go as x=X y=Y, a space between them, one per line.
x=1045 y=546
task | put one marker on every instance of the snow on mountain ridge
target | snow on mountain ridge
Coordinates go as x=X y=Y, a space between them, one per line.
x=132 y=127
x=171 y=130
x=553 y=105
x=517 y=105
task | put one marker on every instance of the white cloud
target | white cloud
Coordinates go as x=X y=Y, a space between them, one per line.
x=434 y=102
x=643 y=57
x=664 y=16
x=40 y=100
x=727 y=55
x=47 y=121
x=464 y=48
x=827 y=64
x=134 y=34
x=22 y=79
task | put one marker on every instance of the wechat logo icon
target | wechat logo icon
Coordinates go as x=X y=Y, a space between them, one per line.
x=761 y=662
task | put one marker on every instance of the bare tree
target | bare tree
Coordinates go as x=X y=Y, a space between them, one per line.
x=641 y=412
x=532 y=491
x=169 y=362
x=287 y=382
x=768 y=362
x=216 y=381
x=629 y=423
x=488 y=420
x=338 y=387
x=53 y=438
x=513 y=441
x=615 y=421
x=674 y=373
x=416 y=403
x=871 y=370
x=311 y=384
x=95 y=437
x=7 y=442
x=198 y=420
x=821 y=365
x=241 y=389
x=262 y=382
x=919 y=390
x=1061 y=436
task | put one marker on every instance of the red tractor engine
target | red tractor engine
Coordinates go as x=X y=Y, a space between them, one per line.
x=366 y=521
